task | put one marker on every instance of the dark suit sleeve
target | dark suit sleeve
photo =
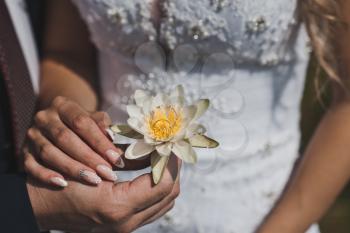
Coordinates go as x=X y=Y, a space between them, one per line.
x=16 y=215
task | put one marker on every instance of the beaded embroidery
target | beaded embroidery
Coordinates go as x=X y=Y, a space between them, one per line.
x=248 y=33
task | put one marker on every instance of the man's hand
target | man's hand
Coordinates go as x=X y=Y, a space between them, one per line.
x=109 y=207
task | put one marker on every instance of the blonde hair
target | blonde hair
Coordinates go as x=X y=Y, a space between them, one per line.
x=322 y=18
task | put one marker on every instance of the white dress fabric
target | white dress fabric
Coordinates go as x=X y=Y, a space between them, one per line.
x=249 y=58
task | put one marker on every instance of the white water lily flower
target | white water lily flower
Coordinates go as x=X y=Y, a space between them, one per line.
x=164 y=124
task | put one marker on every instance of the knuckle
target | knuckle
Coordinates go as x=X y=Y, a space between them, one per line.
x=45 y=151
x=40 y=117
x=24 y=151
x=31 y=133
x=62 y=135
x=101 y=124
x=58 y=101
x=176 y=192
x=81 y=121
x=102 y=119
x=97 y=142
x=26 y=167
x=166 y=188
x=69 y=169
x=105 y=117
x=27 y=162
x=26 y=155
x=107 y=215
x=171 y=206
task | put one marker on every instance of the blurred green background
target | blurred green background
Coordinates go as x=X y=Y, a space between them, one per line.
x=337 y=219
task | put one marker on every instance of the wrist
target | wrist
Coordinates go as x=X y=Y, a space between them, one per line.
x=40 y=207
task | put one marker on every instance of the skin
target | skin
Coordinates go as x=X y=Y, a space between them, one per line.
x=69 y=135
x=319 y=177
x=106 y=208
x=325 y=167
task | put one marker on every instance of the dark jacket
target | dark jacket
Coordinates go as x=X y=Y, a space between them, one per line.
x=16 y=214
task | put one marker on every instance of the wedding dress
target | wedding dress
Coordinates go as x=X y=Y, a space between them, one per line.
x=249 y=58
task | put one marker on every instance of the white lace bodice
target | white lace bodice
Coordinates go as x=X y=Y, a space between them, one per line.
x=249 y=58
x=250 y=31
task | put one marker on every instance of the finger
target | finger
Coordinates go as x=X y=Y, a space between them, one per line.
x=159 y=214
x=155 y=198
x=151 y=194
x=102 y=119
x=72 y=145
x=134 y=222
x=81 y=123
x=156 y=211
x=45 y=175
x=55 y=158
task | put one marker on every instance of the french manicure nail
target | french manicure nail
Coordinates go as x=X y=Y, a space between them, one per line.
x=106 y=172
x=120 y=163
x=59 y=181
x=114 y=157
x=90 y=177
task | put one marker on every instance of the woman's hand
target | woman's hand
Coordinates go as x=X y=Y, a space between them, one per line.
x=72 y=142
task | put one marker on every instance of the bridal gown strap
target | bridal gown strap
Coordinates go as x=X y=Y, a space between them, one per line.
x=249 y=58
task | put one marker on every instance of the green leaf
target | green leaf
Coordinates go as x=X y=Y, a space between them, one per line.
x=126 y=130
x=158 y=164
x=202 y=141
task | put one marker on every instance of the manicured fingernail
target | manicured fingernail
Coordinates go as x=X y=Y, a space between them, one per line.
x=90 y=177
x=106 y=172
x=115 y=158
x=59 y=181
x=120 y=163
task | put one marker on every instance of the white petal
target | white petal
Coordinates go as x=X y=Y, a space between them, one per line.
x=194 y=129
x=111 y=135
x=159 y=100
x=179 y=135
x=134 y=111
x=138 y=149
x=140 y=97
x=158 y=164
x=202 y=106
x=151 y=141
x=164 y=149
x=178 y=91
x=203 y=141
x=177 y=96
x=189 y=113
x=147 y=106
x=136 y=125
x=184 y=151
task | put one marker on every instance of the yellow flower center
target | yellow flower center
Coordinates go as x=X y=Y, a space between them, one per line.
x=163 y=123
